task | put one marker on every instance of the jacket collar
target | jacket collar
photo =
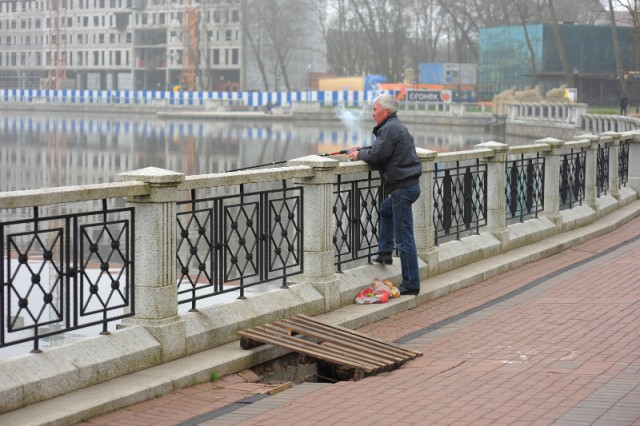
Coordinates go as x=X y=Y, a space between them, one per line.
x=391 y=116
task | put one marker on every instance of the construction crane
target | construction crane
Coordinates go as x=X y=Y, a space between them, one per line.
x=191 y=51
x=57 y=45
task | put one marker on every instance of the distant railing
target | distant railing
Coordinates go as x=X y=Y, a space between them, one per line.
x=601 y=123
x=160 y=98
x=550 y=112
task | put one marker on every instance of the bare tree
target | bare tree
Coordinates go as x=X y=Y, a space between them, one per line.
x=426 y=32
x=251 y=14
x=274 y=30
x=521 y=6
x=616 y=50
x=632 y=7
x=566 y=66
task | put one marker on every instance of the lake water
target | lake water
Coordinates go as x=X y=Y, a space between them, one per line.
x=44 y=149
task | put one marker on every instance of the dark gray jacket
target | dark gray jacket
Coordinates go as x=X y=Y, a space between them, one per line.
x=393 y=154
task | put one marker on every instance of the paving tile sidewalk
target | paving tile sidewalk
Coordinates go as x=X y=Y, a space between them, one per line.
x=565 y=351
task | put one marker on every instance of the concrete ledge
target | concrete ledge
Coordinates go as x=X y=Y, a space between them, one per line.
x=521 y=234
x=454 y=254
x=218 y=325
x=57 y=371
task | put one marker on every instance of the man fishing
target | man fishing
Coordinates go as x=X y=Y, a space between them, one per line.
x=394 y=155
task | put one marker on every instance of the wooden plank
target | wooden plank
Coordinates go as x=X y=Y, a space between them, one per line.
x=299 y=345
x=337 y=350
x=356 y=336
x=334 y=344
x=375 y=347
x=350 y=346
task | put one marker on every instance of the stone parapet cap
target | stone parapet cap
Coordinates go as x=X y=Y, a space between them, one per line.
x=613 y=135
x=153 y=175
x=553 y=142
x=589 y=136
x=315 y=161
x=426 y=154
x=494 y=146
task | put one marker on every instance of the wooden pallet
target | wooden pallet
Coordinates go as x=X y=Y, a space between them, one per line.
x=337 y=345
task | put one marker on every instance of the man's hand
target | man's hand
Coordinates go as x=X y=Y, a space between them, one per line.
x=353 y=153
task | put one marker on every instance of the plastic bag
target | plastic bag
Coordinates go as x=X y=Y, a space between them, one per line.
x=385 y=285
x=368 y=295
x=381 y=291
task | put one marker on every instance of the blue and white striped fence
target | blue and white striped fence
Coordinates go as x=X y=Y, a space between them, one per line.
x=169 y=98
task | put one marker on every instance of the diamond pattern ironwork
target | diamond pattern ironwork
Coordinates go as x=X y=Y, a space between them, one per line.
x=459 y=199
x=238 y=241
x=524 y=187
x=64 y=273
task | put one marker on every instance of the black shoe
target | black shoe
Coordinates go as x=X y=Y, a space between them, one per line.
x=406 y=292
x=384 y=258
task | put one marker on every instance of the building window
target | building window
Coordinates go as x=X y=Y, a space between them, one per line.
x=216 y=56
x=235 y=56
x=227 y=35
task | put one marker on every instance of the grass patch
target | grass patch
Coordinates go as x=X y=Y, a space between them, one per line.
x=213 y=377
x=603 y=110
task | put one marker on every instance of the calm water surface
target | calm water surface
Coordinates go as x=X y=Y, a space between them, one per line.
x=45 y=149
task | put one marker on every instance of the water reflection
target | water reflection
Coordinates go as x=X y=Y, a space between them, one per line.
x=46 y=150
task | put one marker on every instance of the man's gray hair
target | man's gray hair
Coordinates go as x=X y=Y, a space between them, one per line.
x=388 y=102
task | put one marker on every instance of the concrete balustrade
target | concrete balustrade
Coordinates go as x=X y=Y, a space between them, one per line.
x=157 y=333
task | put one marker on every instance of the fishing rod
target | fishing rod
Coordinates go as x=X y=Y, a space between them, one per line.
x=273 y=163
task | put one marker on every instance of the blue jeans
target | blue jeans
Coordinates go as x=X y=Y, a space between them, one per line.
x=396 y=218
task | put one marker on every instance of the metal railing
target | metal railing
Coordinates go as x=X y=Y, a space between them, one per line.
x=524 y=188
x=623 y=163
x=233 y=242
x=459 y=198
x=355 y=217
x=602 y=170
x=572 y=178
x=62 y=272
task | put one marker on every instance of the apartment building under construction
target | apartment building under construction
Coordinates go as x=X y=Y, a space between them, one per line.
x=121 y=44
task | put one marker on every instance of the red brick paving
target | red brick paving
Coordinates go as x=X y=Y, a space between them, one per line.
x=565 y=352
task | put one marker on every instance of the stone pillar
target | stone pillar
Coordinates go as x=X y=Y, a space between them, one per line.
x=156 y=296
x=496 y=207
x=425 y=231
x=590 y=189
x=553 y=160
x=614 y=166
x=318 y=227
